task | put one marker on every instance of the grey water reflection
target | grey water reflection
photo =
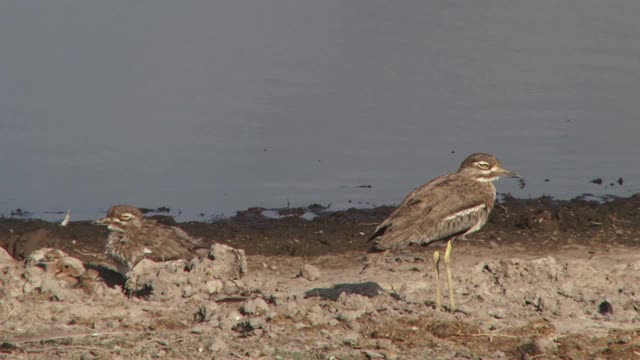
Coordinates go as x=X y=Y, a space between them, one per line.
x=211 y=107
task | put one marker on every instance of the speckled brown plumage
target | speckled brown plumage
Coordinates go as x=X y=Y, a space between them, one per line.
x=451 y=205
x=134 y=237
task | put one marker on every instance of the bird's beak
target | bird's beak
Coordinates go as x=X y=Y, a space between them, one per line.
x=504 y=172
x=111 y=224
x=509 y=173
x=104 y=221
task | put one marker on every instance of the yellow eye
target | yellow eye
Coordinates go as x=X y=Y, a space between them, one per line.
x=126 y=216
x=483 y=165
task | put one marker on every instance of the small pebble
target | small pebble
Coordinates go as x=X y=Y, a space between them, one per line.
x=310 y=272
x=218 y=345
x=188 y=291
x=255 y=307
x=544 y=345
x=214 y=286
x=605 y=308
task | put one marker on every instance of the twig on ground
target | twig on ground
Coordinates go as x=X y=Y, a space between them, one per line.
x=44 y=339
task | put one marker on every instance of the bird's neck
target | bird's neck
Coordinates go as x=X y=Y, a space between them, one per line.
x=487 y=179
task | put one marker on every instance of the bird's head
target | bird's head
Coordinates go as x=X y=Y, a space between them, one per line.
x=123 y=218
x=485 y=167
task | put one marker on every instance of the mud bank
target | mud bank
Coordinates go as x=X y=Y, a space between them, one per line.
x=544 y=279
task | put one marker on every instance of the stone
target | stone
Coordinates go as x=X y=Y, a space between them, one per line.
x=214 y=286
x=310 y=272
x=544 y=345
x=255 y=307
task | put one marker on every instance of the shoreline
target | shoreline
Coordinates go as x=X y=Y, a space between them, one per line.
x=181 y=215
x=292 y=233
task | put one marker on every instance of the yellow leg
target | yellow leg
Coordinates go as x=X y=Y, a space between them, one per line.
x=436 y=270
x=447 y=265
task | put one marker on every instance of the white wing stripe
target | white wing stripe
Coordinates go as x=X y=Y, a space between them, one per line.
x=465 y=212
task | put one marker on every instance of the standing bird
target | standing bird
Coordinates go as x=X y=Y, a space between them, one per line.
x=133 y=237
x=446 y=208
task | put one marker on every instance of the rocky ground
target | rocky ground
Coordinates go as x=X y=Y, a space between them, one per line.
x=544 y=279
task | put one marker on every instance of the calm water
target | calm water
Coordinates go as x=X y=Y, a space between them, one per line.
x=216 y=106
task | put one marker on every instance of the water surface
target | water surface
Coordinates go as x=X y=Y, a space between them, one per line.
x=211 y=107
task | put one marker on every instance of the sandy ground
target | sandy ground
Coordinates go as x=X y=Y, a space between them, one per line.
x=544 y=280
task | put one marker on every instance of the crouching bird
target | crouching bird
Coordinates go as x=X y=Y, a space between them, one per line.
x=446 y=208
x=133 y=237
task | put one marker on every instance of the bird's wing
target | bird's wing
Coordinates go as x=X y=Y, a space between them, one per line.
x=431 y=213
x=196 y=245
x=169 y=243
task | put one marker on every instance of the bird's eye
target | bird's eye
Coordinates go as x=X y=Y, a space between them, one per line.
x=126 y=216
x=483 y=165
